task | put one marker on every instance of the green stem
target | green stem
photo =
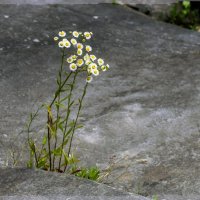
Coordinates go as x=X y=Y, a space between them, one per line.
x=59 y=89
x=32 y=117
x=48 y=130
x=49 y=139
x=67 y=117
x=58 y=107
x=76 y=120
x=36 y=159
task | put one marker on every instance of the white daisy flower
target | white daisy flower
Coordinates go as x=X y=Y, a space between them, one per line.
x=88 y=48
x=67 y=44
x=61 y=44
x=73 y=67
x=73 y=41
x=74 y=57
x=93 y=57
x=79 y=52
x=100 y=61
x=75 y=34
x=79 y=46
x=86 y=57
x=80 y=62
x=107 y=66
x=70 y=59
x=62 y=33
x=89 y=79
x=87 y=62
x=103 y=68
x=55 y=38
x=87 y=35
x=95 y=72
x=93 y=66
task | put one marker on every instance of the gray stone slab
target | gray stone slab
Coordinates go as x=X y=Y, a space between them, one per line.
x=180 y=197
x=42 y=2
x=144 y=113
x=19 y=183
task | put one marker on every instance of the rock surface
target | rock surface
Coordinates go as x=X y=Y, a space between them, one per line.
x=143 y=115
x=29 y=184
x=43 y=2
x=133 y=2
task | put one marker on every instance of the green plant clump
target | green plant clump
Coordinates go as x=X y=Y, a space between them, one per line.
x=51 y=147
x=92 y=173
x=181 y=14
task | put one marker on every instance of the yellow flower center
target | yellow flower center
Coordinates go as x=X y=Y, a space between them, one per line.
x=79 y=46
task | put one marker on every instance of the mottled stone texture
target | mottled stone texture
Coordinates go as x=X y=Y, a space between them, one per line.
x=27 y=184
x=44 y=2
x=144 y=112
x=87 y=1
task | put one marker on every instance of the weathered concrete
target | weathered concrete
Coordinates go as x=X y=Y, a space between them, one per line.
x=29 y=184
x=144 y=112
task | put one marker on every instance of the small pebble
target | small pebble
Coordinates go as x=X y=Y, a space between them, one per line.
x=95 y=17
x=1 y=49
x=73 y=24
x=35 y=21
x=6 y=16
x=36 y=40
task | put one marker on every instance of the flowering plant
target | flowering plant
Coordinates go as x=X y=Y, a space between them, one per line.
x=54 y=153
